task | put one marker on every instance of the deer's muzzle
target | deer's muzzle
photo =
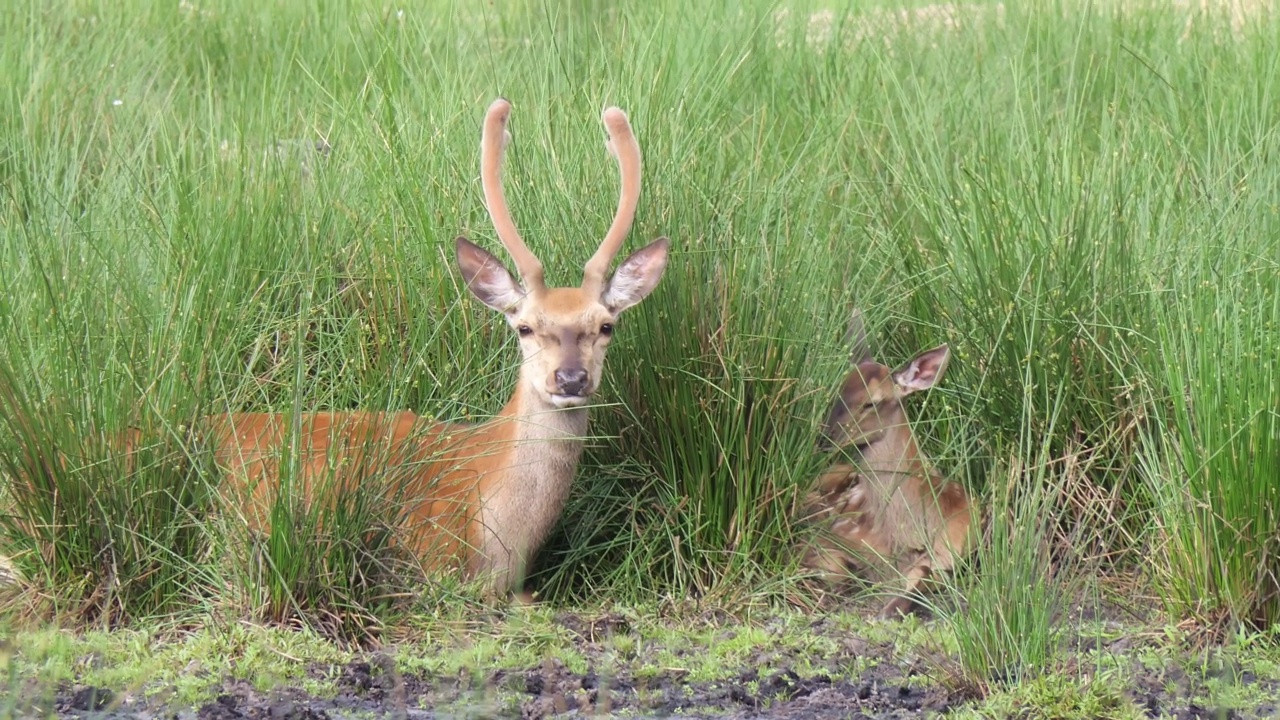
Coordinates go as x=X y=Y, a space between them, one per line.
x=571 y=381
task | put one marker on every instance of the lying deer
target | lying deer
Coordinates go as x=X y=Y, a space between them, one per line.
x=886 y=513
x=481 y=496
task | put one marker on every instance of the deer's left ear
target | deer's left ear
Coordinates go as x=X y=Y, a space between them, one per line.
x=488 y=279
x=922 y=371
x=636 y=277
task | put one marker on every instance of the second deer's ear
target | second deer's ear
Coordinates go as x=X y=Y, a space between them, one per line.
x=636 y=277
x=488 y=279
x=856 y=339
x=922 y=371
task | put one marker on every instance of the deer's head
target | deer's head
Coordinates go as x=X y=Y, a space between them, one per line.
x=563 y=331
x=870 y=400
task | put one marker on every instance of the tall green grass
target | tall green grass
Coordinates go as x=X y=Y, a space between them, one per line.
x=174 y=244
x=1007 y=614
x=1212 y=460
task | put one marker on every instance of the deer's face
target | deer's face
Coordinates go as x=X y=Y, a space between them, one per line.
x=563 y=331
x=866 y=404
x=870 y=399
x=563 y=340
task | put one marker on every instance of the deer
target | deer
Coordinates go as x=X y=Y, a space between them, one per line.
x=481 y=497
x=882 y=510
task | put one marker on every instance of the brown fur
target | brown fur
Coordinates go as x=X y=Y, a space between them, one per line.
x=887 y=514
x=480 y=497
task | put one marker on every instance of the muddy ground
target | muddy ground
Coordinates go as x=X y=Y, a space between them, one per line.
x=550 y=691
x=367 y=687
x=770 y=684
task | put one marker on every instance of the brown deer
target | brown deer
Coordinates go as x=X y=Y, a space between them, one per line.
x=485 y=496
x=884 y=512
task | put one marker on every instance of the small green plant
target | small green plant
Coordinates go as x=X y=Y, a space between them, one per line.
x=1006 y=613
x=327 y=557
x=1007 y=610
x=1056 y=696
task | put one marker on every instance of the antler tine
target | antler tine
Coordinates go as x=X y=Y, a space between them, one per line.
x=493 y=141
x=623 y=146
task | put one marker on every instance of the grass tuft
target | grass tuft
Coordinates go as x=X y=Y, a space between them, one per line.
x=1211 y=457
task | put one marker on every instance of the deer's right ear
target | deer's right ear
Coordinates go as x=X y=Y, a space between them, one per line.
x=488 y=279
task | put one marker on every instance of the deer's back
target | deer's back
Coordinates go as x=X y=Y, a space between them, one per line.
x=418 y=467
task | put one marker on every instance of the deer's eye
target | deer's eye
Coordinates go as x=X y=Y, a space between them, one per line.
x=868 y=406
x=524 y=330
x=606 y=329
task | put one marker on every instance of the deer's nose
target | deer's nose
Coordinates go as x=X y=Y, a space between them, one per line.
x=571 y=381
x=824 y=443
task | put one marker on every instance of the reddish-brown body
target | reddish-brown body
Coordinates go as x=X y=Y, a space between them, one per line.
x=886 y=514
x=461 y=486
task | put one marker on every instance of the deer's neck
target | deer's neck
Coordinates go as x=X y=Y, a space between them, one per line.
x=544 y=435
x=522 y=500
x=891 y=460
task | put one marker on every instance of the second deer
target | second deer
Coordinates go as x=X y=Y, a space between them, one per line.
x=884 y=512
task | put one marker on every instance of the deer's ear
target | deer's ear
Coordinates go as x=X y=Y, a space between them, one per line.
x=488 y=279
x=922 y=371
x=856 y=339
x=636 y=277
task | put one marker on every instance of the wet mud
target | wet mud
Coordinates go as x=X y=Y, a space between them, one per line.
x=779 y=684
